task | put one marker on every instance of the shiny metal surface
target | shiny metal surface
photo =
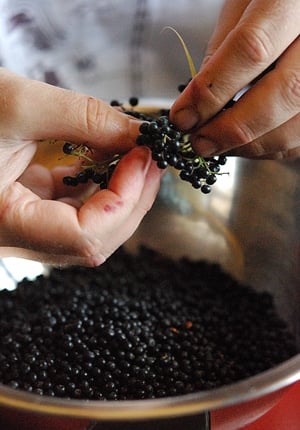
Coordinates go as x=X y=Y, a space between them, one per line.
x=250 y=224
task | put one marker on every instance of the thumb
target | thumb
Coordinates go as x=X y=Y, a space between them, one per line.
x=34 y=110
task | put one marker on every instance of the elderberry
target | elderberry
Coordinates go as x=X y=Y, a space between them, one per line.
x=123 y=331
x=171 y=147
x=70 y=180
x=68 y=148
x=115 y=103
x=133 y=101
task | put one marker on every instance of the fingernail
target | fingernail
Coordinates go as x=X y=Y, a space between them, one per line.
x=205 y=147
x=186 y=119
x=143 y=157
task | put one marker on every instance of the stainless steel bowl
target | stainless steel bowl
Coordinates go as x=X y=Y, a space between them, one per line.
x=250 y=224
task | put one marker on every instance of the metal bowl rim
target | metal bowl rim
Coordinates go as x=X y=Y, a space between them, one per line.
x=252 y=388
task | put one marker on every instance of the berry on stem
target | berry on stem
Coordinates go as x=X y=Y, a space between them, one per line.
x=133 y=101
x=169 y=147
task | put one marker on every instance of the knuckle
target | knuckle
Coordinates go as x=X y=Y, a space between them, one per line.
x=209 y=54
x=203 y=89
x=241 y=133
x=9 y=96
x=8 y=200
x=279 y=155
x=94 y=261
x=290 y=85
x=95 y=117
x=293 y=154
x=142 y=212
x=255 y=149
x=91 y=254
x=256 y=45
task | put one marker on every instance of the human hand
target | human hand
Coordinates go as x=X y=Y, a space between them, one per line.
x=43 y=219
x=265 y=122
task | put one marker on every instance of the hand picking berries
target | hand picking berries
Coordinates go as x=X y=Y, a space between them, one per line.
x=169 y=147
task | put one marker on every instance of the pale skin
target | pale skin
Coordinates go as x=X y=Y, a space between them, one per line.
x=250 y=36
x=42 y=219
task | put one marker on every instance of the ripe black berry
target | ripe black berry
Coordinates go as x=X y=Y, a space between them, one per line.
x=133 y=101
x=70 y=180
x=124 y=331
x=115 y=103
x=82 y=177
x=171 y=147
x=211 y=179
x=205 y=189
x=68 y=148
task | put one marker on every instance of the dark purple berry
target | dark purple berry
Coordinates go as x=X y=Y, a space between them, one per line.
x=211 y=179
x=222 y=160
x=205 y=189
x=162 y=164
x=133 y=101
x=70 y=180
x=68 y=148
x=144 y=127
x=82 y=177
x=115 y=103
x=141 y=338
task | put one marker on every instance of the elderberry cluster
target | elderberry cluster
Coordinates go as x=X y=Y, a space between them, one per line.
x=99 y=173
x=171 y=147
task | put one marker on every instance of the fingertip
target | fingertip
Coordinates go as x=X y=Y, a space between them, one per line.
x=183 y=113
x=205 y=147
x=141 y=155
x=185 y=118
x=151 y=165
x=131 y=170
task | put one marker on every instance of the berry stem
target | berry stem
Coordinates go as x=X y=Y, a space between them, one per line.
x=186 y=51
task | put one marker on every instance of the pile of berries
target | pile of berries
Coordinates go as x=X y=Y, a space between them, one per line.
x=140 y=326
x=169 y=147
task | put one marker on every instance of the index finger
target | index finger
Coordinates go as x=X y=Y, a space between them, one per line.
x=263 y=32
x=33 y=110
